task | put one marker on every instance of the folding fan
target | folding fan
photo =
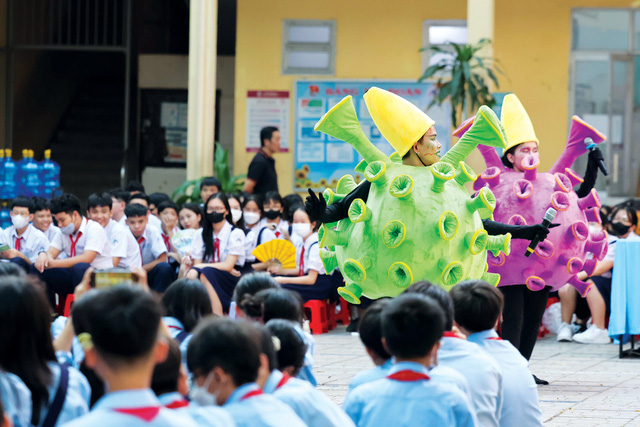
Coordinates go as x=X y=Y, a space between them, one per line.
x=281 y=250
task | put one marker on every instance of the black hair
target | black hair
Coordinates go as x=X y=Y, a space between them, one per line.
x=370 y=328
x=231 y=345
x=316 y=224
x=120 y=195
x=207 y=226
x=272 y=196
x=41 y=204
x=292 y=344
x=477 y=305
x=240 y=223
x=211 y=181
x=291 y=201
x=195 y=208
x=251 y=284
x=605 y=212
x=140 y=196
x=255 y=198
x=439 y=295
x=157 y=198
x=268 y=348
x=166 y=374
x=67 y=203
x=99 y=200
x=628 y=208
x=134 y=185
x=123 y=322
x=188 y=301
x=274 y=303
x=23 y=202
x=26 y=339
x=505 y=160
x=412 y=325
x=135 y=210
x=167 y=204
x=11 y=269
x=98 y=387
x=267 y=133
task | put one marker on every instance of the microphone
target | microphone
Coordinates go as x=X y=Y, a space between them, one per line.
x=549 y=216
x=591 y=146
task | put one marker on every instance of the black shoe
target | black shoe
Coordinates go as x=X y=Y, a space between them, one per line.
x=540 y=382
x=353 y=326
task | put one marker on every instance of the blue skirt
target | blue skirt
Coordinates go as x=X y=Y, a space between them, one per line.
x=326 y=287
x=223 y=282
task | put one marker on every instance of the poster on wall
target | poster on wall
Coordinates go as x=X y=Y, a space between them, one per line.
x=267 y=108
x=320 y=160
x=173 y=118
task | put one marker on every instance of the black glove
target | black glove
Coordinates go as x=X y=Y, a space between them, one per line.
x=595 y=156
x=315 y=207
x=530 y=232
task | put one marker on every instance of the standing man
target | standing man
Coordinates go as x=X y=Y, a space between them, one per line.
x=262 y=176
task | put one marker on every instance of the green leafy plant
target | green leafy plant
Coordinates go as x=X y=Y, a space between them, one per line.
x=462 y=78
x=189 y=191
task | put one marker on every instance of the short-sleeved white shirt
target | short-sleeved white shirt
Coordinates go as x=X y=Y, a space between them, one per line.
x=93 y=238
x=611 y=250
x=52 y=232
x=155 y=222
x=311 y=255
x=123 y=245
x=33 y=241
x=251 y=241
x=151 y=245
x=231 y=243
x=282 y=229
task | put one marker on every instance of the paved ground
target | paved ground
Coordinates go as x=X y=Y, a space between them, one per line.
x=589 y=386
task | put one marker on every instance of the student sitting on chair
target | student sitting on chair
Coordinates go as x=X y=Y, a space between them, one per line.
x=26 y=243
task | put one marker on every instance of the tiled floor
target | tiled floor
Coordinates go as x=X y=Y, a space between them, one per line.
x=589 y=385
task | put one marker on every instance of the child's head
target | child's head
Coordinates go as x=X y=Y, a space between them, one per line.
x=624 y=220
x=439 y=295
x=99 y=208
x=248 y=286
x=68 y=213
x=170 y=375
x=217 y=210
x=137 y=218
x=236 y=210
x=370 y=329
x=209 y=186
x=21 y=210
x=302 y=225
x=119 y=328
x=141 y=199
x=223 y=355
x=155 y=199
x=134 y=187
x=289 y=202
x=477 y=305
x=119 y=199
x=252 y=209
x=168 y=213
x=272 y=206
x=290 y=355
x=275 y=303
x=412 y=326
x=190 y=216
x=188 y=301
x=42 y=218
x=517 y=157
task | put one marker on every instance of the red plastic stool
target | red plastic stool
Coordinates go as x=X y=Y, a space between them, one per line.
x=318 y=322
x=344 y=315
x=67 y=305
x=331 y=315
x=62 y=299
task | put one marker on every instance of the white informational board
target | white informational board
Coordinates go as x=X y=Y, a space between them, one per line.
x=267 y=108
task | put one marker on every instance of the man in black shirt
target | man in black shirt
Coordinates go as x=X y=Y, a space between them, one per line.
x=262 y=176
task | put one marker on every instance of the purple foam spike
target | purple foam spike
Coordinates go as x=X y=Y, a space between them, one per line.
x=563 y=183
x=590 y=200
x=579 y=231
x=530 y=166
x=582 y=287
x=593 y=215
x=597 y=248
x=575 y=143
x=534 y=283
x=590 y=266
x=490 y=177
x=574 y=265
x=573 y=176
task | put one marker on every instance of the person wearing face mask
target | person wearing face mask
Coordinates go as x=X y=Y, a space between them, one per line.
x=26 y=243
x=42 y=218
x=236 y=211
x=272 y=212
x=257 y=233
x=217 y=253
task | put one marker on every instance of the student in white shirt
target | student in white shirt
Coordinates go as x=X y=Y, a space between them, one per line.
x=209 y=186
x=42 y=218
x=309 y=278
x=190 y=216
x=120 y=198
x=152 y=249
x=168 y=214
x=125 y=251
x=143 y=199
x=257 y=232
x=272 y=211
x=216 y=251
x=26 y=242
x=84 y=242
x=237 y=219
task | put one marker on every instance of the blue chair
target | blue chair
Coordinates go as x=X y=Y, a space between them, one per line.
x=624 y=321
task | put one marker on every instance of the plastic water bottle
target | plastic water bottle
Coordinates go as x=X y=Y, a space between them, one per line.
x=5 y=216
x=50 y=175
x=30 y=177
x=10 y=170
x=1 y=168
x=19 y=177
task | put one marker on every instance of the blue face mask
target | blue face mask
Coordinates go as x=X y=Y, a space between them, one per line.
x=200 y=394
x=68 y=229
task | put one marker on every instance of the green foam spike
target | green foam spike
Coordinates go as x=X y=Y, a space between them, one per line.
x=500 y=243
x=329 y=260
x=351 y=293
x=491 y=278
x=346 y=184
x=465 y=174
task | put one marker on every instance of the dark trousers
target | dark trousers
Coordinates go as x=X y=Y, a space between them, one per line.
x=522 y=315
x=21 y=263
x=62 y=281
x=161 y=276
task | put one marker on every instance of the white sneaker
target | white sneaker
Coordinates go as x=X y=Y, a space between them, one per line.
x=593 y=335
x=565 y=332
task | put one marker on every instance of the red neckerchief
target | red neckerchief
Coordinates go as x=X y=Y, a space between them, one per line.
x=495 y=338
x=72 y=251
x=408 y=375
x=450 y=334
x=285 y=377
x=140 y=240
x=178 y=404
x=216 y=250
x=146 y=413
x=18 y=243
x=167 y=241
x=251 y=394
x=301 y=263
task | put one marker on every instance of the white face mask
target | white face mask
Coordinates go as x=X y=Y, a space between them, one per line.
x=236 y=214
x=200 y=394
x=251 y=217
x=301 y=229
x=19 y=221
x=68 y=229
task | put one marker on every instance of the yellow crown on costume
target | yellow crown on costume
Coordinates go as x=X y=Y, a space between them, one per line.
x=399 y=121
x=516 y=122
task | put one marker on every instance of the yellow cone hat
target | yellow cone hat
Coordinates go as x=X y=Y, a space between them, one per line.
x=516 y=122
x=400 y=122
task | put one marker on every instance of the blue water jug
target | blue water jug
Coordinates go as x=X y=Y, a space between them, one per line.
x=30 y=178
x=5 y=217
x=1 y=169
x=19 y=177
x=50 y=175
x=10 y=170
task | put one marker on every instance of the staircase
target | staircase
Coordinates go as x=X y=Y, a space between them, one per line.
x=89 y=141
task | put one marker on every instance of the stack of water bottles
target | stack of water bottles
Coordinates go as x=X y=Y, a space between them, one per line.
x=26 y=177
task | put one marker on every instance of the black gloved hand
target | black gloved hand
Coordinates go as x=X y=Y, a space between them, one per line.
x=595 y=156
x=315 y=207
x=530 y=232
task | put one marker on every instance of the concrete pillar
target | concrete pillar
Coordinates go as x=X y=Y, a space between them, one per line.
x=203 y=27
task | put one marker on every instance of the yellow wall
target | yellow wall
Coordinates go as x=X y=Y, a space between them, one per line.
x=533 y=43
x=376 y=39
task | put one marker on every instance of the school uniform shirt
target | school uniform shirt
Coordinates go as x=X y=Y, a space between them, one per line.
x=123 y=221
x=167 y=239
x=76 y=355
x=52 y=232
x=451 y=376
x=282 y=229
x=370 y=375
x=132 y=408
x=611 y=250
x=123 y=245
x=89 y=237
x=306 y=371
x=230 y=240
x=407 y=397
x=250 y=407
x=76 y=402
x=482 y=373
x=311 y=405
x=155 y=222
x=520 y=406
x=31 y=244
x=255 y=237
x=151 y=245
x=175 y=329
x=308 y=255
x=16 y=398
x=210 y=416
